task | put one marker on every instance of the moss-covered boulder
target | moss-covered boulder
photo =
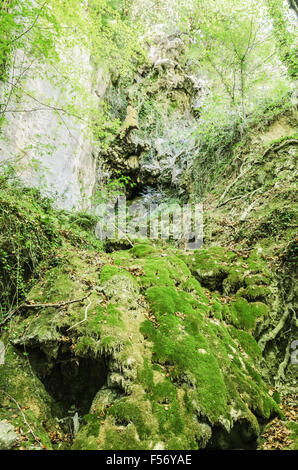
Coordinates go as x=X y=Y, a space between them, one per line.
x=130 y=346
x=24 y=402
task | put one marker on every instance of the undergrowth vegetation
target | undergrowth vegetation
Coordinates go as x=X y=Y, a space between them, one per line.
x=31 y=230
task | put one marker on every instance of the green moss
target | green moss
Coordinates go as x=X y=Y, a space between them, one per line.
x=125 y=412
x=58 y=286
x=211 y=266
x=185 y=353
x=275 y=222
x=19 y=387
x=216 y=257
x=13 y=415
x=259 y=309
x=293 y=427
x=270 y=408
x=241 y=315
x=28 y=236
x=126 y=439
x=83 y=220
x=217 y=309
x=146 y=376
x=107 y=272
x=254 y=292
x=247 y=342
x=257 y=264
x=192 y=285
x=93 y=422
x=114 y=316
x=233 y=282
x=169 y=419
x=162 y=299
x=141 y=251
x=164 y=392
x=188 y=368
x=276 y=397
x=85 y=346
x=257 y=279
x=165 y=271
x=96 y=333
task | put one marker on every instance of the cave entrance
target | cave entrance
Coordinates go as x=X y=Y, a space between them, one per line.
x=241 y=437
x=71 y=381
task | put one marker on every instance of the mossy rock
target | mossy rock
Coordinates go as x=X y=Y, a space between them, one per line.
x=21 y=389
x=140 y=251
x=211 y=266
x=154 y=345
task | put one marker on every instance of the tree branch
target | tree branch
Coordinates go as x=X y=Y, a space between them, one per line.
x=85 y=317
x=54 y=108
x=31 y=27
x=46 y=305
x=37 y=439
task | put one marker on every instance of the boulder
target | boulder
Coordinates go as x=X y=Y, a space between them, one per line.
x=8 y=437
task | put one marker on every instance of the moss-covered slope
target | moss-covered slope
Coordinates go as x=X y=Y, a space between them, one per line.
x=159 y=363
x=149 y=347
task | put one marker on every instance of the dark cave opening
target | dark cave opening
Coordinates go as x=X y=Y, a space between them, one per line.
x=241 y=437
x=72 y=382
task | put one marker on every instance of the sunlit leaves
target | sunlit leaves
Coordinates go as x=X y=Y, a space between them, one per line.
x=62 y=41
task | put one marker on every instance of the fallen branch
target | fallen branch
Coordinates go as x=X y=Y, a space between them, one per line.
x=250 y=207
x=37 y=439
x=85 y=317
x=238 y=197
x=54 y=305
x=230 y=199
x=230 y=186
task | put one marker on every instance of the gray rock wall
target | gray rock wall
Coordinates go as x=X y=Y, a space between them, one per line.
x=54 y=150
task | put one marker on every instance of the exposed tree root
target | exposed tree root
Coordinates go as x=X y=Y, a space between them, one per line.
x=273 y=147
x=280 y=376
x=230 y=186
x=273 y=333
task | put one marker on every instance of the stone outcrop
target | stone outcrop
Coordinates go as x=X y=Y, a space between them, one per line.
x=162 y=102
x=8 y=437
x=53 y=149
x=158 y=363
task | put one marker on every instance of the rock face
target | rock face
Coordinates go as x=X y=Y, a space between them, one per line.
x=8 y=437
x=158 y=111
x=53 y=149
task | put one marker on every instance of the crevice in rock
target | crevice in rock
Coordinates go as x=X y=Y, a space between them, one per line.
x=240 y=437
x=71 y=381
x=213 y=282
x=116 y=244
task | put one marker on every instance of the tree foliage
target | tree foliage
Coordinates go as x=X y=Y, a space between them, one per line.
x=59 y=40
x=284 y=31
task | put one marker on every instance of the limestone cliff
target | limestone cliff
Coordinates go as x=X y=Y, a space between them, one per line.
x=53 y=149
